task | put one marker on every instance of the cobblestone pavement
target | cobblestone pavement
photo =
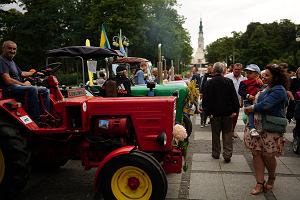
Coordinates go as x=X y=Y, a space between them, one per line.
x=205 y=178
x=211 y=179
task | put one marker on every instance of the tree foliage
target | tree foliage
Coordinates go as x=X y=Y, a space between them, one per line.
x=260 y=44
x=48 y=24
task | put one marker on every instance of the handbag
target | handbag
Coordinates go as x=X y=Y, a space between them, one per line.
x=274 y=124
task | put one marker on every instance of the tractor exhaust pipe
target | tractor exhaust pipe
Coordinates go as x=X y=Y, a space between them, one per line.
x=159 y=65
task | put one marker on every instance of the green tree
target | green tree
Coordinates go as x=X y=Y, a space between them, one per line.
x=221 y=50
x=146 y=23
x=260 y=44
x=47 y=24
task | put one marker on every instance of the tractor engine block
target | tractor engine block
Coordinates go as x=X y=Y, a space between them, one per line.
x=111 y=127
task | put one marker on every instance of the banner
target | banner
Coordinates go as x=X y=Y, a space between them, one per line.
x=90 y=73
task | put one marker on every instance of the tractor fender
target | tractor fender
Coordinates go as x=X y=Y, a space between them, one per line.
x=117 y=152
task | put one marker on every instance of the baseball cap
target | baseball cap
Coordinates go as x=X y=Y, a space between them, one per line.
x=253 y=67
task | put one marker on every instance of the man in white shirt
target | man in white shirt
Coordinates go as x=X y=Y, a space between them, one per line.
x=236 y=77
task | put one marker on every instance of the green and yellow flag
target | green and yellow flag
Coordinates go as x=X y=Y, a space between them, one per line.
x=104 y=42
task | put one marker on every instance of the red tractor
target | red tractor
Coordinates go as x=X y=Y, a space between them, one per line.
x=128 y=139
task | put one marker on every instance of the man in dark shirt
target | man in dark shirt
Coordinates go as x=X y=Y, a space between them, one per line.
x=196 y=77
x=207 y=76
x=123 y=82
x=220 y=103
x=10 y=81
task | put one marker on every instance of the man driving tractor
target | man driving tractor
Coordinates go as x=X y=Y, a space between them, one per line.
x=13 y=86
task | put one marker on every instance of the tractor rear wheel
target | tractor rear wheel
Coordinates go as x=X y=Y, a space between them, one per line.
x=133 y=176
x=187 y=123
x=14 y=162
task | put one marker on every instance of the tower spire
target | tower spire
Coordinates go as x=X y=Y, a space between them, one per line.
x=199 y=56
x=200 y=27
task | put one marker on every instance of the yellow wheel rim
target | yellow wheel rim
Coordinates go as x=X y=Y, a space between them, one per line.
x=131 y=183
x=2 y=166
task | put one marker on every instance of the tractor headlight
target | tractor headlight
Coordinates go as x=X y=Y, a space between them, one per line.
x=162 y=139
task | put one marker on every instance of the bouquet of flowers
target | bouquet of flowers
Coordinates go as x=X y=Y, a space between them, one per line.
x=181 y=140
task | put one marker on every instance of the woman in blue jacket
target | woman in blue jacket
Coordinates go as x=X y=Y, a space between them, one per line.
x=272 y=101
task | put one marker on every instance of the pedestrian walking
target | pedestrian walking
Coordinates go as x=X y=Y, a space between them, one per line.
x=207 y=76
x=271 y=104
x=196 y=77
x=220 y=103
x=237 y=78
x=203 y=116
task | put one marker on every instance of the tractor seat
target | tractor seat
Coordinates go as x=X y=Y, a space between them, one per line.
x=110 y=88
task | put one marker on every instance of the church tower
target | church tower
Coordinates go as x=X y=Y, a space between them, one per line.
x=199 y=56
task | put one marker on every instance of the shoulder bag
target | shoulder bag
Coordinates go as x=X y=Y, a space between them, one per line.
x=274 y=124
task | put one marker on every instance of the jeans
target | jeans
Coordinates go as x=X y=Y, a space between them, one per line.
x=203 y=118
x=32 y=92
x=250 y=115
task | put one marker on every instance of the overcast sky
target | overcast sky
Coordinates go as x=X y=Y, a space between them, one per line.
x=221 y=17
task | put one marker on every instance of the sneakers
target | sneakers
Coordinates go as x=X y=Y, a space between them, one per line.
x=254 y=133
x=203 y=125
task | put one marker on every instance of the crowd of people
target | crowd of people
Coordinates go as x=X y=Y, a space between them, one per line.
x=264 y=96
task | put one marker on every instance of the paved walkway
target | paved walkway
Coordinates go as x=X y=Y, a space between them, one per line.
x=211 y=179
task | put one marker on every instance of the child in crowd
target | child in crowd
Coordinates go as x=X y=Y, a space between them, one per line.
x=248 y=89
x=101 y=80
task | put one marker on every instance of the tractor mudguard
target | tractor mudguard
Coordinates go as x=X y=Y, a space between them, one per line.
x=117 y=152
x=12 y=110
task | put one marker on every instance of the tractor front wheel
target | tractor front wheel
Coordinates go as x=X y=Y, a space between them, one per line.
x=187 y=123
x=133 y=176
x=14 y=162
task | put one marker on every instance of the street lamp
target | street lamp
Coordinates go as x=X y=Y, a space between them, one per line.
x=164 y=62
x=164 y=66
x=297 y=40
x=121 y=41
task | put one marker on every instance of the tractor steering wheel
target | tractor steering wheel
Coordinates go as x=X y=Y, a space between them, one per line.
x=51 y=68
x=39 y=79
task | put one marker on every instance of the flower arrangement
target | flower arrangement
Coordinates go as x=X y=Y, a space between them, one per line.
x=191 y=101
x=181 y=141
x=179 y=133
